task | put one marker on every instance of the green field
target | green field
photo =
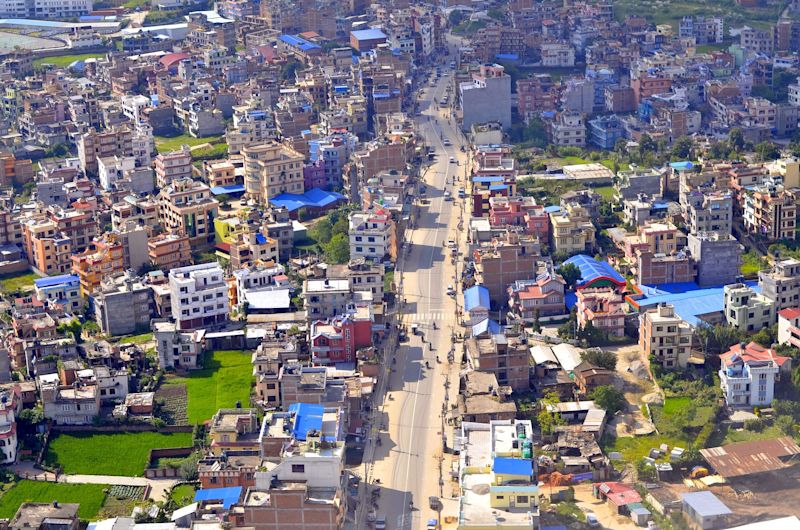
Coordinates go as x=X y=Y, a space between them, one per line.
x=606 y=192
x=90 y=496
x=18 y=282
x=752 y=262
x=671 y=11
x=635 y=448
x=674 y=404
x=166 y=144
x=62 y=61
x=182 y=494
x=225 y=379
x=123 y=454
x=141 y=338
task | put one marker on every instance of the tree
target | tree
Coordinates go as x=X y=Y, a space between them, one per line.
x=647 y=145
x=767 y=151
x=621 y=147
x=682 y=148
x=337 y=250
x=736 y=139
x=571 y=274
x=609 y=398
x=455 y=17
x=548 y=419
x=600 y=358
x=786 y=425
x=537 y=326
x=32 y=416
x=719 y=150
x=322 y=231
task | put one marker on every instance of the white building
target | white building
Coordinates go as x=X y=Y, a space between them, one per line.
x=133 y=107
x=487 y=98
x=748 y=374
x=10 y=404
x=255 y=278
x=372 y=235
x=199 y=296
x=747 y=310
x=568 y=129
x=50 y=9
x=112 y=169
x=789 y=326
x=558 y=55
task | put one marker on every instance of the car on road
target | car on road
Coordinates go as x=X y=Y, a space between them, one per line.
x=452 y=160
x=448 y=196
x=462 y=193
x=447 y=142
x=380 y=523
x=451 y=243
x=432 y=524
x=592 y=520
x=450 y=290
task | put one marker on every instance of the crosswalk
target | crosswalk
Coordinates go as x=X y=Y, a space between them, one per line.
x=438 y=317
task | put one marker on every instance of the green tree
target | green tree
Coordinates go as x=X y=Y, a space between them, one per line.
x=537 y=326
x=600 y=358
x=719 y=150
x=767 y=151
x=609 y=398
x=786 y=425
x=548 y=419
x=571 y=274
x=31 y=417
x=455 y=17
x=647 y=145
x=682 y=148
x=337 y=250
x=322 y=231
x=736 y=139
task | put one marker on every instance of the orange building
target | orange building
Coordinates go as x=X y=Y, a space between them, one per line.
x=101 y=262
x=169 y=251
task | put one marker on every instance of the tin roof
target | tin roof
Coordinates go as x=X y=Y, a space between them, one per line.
x=746 y=458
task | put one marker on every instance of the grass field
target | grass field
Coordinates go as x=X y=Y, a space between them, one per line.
x=14 y=282
x=141 y=338
x=225 y=379
x=674 y=404
x=606 y=192
x=182 y=494
x=671 y=11
x=90 y=496
x=752 y=262
x=634 y=449
x=166 y=144
x=123 y=454
x=62 y=61
x=743 y=435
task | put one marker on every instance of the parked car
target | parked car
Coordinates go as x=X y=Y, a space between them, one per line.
x=592 y=520
x=448 y=196
x=380 y=523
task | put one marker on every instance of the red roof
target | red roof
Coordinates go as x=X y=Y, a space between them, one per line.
x=752 y=352
x=618 y=493
x=790 y=313
x=172 y=58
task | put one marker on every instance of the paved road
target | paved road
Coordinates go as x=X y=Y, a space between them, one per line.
x=408 y=460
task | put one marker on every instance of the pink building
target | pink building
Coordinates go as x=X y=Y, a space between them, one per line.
x=520 y=211
x=544 y=295
x=604 y=308
x=314 y=176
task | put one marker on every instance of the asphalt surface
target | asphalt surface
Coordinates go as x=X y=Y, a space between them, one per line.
x=410 y=422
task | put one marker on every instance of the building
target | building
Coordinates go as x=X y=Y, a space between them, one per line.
x=499 y=481
x=704 y=510
x=326 y=298
x=234 y=430
x=93 y=145
x=568 y=129
x=664 y=337
x=10 y=406
x=199 y=296
x=712 y=212
x=748 y=374
x=502 y=262
x=604 y=131
x=487 y=98
x=476 y=304
x=63 y=290
x=532 y=299
x=572 y=231
x=770 y=213
x=367 y=39
x=781 y=283
x=173 y=166
x=271 y=169
x=186 y=207
x=177 y=349
x=557 y=55
x=789 y=326
x=102 y=261
x=604 y=308
x=717 y=258
x=45 y=516
x=506 y=355
x=123 y=305
x=520 y=211
x=372 y=235
x=169 y=251
x=67 y=403
x=746 y=310
x=337 y=340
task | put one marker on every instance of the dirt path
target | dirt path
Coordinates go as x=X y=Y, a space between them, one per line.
x=634 y=382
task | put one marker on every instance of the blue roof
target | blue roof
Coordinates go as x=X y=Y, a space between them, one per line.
x=689 y=300
x=298 y=42
x=368 y=34
x=51 y=281
x=507 y=57
x=314 y=197
x=486 y=325
x=705 y=504
x=484 y=180
x=226 y=190
x=552 y=209
x=307 y=417
x=681 y=166
x=476 y=296
x=498 y=187
x=512 y=466
x=228 y=496
x=260 y=239
x=591 y=270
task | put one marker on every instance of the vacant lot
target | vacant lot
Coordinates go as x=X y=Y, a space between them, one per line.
x=18 y=282
x=226 y=378
x=90 y=496
x=123 y=454
x=62 y=61
x=183 y=494
x=166 y=144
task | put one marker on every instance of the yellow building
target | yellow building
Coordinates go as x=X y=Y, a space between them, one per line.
x=572 y=231
x=271 y=169
x=234 y=430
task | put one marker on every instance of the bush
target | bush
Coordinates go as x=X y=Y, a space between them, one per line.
x=754 y=425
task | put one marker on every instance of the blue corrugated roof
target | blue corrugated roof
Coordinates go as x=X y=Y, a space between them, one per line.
x=298 y=42
x=50 y=281
x=706 y=504
x=476 y=296
x=228 y=496
x=484 y=180
x=368 y=34
x=498 y=187
x=260 y=239
x=681 y=166
x=226 y=190
x=689 y=300
x=552 y=209
x=314 y=197
x=512 y=466
x=307 y=417
x=591 y=270
x=486 y=325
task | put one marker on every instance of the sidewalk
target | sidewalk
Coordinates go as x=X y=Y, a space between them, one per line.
x=158 y=487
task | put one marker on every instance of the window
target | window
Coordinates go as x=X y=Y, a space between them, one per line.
x=298 y=468
x=522 y=499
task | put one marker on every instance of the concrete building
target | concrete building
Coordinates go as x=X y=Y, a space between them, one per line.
x=664 y=337
x=557 y=55
x=504 y=261
x=362 y=275
x=572 y=231
x=10 y=406
x=487 y=98
x=337 y=340
x=748 y=374
x=66 y=403
x=769 y=212
x=326 y=298
x=746 y=310
x=169 y=251
x=781 y=284
x=568 y=130
x=604 y=308
x=717 y=257
x=101 y=261
x=372 y=235
x=271 y=169
x=63 y=290
x=789 y=326
x=123 y=305
x=506 y=355
x=93 y=145
x=531 y=299
x=199 y=296
x=711 y=212
x=173 y=166
x=175 y=348
x=187 y=207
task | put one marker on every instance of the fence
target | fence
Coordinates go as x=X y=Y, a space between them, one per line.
x=165 y=472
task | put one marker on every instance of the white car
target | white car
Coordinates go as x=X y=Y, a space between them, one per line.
x=592 y=520
x=448 y=196
x=452 y=160
x=446 y=142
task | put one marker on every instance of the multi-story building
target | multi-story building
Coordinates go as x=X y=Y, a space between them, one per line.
x=717 y=257
x=499 y=480
x=572 y=231
x=199 y=296
x=747 y=310
x=604 y=308
x=712 y=212
x=647 y=86
x=67 y=403
x=568 y=129
x=770 y=213
x=46 y=248
x=102 y=261
x=503 y=261
x=169 y=251
x=93 y=145
x=63 y=290
x=338 y=339
x=362 y=276
x=271 y=169
x=173 y=166
x=781 y=283
x=177 y=349
x=123 y=305
x=665 y=337
x=487 y=98
x=10 y=406
x=789 y=326
x=520 y=211
x=506 y=355
x=326 y=298
x=543 y=296
x=604 y=131
x=704 y=30
x=748 y=373
x=755 y=41
x=536 y=95
x=186 y=207
x=234 y=430
x=372 y=235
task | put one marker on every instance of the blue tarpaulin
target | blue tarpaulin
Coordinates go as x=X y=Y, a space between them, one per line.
x=227 y=496
x=307 y=417
x=512 y=466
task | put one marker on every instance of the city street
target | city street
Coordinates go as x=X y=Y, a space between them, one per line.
x=407 y=462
